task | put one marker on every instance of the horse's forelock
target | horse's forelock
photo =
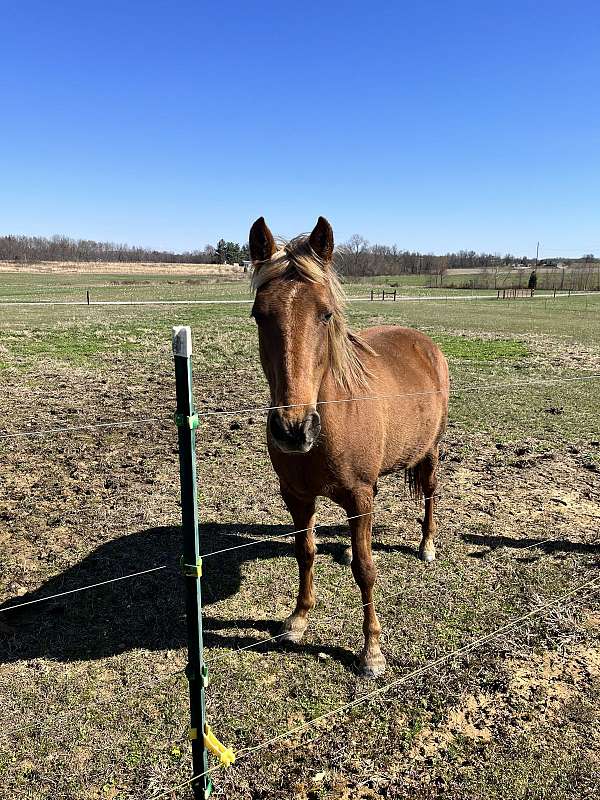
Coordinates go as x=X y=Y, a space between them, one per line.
x=297 y=260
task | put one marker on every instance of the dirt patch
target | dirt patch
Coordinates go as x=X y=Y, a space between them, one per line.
x=538 y=687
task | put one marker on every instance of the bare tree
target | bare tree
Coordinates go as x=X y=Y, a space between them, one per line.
x=351 y=255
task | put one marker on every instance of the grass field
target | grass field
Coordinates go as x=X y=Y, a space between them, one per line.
x=167 y=281
x=94 y=702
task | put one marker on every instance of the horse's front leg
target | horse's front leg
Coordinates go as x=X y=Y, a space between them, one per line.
x=371 y=661
x=303 y=514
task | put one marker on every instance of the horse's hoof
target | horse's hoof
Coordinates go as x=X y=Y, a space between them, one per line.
x=427 y=554
x=292 y=630
x=347 y=557
x=290 y=636
x=372 y=665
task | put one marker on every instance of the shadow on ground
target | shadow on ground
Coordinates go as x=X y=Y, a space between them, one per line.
x=531 y=545
x=148 y=611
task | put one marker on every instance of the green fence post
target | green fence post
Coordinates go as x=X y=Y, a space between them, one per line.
x=196 y=670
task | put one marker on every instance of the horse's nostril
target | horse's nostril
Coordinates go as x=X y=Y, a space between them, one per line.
x=312 y=424
x=277 y=428
x=297 y=435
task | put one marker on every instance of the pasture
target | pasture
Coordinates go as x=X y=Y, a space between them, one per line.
x=93 y=696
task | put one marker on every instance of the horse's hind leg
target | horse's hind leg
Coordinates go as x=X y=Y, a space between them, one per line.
x=303 y=514
x=426 y=480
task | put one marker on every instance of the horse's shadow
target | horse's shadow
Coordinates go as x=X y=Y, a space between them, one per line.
x=147 y=612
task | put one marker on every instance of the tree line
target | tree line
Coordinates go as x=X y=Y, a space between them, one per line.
x=354 y=258
x=357 y=257
x=31 y=249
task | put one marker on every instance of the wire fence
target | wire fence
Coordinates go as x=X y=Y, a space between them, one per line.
x=232 y=548
x=83 y=588
x=489 y=293
x=511 y=386
x=592 y=585
x=210 y=554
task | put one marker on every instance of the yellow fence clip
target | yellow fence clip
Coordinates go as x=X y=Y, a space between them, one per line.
x=191 y=570
x=192 y=734
x=224 y=754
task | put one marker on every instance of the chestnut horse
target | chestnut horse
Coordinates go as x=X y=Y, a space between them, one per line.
x=382 y=400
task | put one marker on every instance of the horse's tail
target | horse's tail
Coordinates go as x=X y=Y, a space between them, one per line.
x=414 y=478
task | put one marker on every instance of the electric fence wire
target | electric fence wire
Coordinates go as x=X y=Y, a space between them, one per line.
x=221 y=656
x=489 y=295
x=17 y=606
x=154 y=683
x=255 y=409
x=83 y=588
x=203 y=556
x=222 y=550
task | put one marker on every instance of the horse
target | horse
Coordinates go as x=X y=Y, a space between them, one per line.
x=349 y=407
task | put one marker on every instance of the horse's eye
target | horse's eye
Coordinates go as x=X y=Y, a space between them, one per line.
x=327 y=316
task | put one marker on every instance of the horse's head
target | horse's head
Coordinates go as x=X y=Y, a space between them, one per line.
x=295 y=309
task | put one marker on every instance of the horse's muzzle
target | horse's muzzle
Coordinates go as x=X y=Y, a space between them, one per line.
x=294 y=436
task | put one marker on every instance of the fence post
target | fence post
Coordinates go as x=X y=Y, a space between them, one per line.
x=371 y=295
x=87 y=294
x=196 y=670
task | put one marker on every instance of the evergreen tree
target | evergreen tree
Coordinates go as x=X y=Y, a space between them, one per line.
x=222 y=251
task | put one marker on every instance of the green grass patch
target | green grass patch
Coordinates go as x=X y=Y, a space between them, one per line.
x=72 y=345
x=476 y=349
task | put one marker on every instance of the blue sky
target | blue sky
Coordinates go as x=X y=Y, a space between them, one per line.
x=435 y=125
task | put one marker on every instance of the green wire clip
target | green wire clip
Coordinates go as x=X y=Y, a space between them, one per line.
x=191 y=570
x=191 y=675
x=204 y=675
x=187 y=422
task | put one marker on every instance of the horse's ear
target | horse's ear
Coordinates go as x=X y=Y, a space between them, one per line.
x=262 y=243
x=321 y=239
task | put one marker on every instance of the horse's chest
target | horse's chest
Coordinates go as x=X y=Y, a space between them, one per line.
x=324 y=471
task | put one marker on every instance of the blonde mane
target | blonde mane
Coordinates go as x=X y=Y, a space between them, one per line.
x=297 y=260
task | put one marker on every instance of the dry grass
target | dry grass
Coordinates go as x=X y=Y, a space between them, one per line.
x=150 y=268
